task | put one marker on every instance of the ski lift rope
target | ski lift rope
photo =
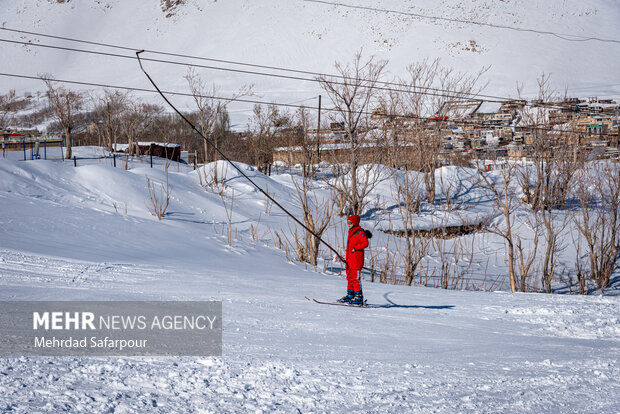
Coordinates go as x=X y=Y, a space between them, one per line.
x=208 y=141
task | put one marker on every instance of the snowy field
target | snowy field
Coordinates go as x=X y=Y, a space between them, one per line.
x=86 y=233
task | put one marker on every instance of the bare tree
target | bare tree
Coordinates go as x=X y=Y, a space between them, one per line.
x=598 y=220
x=546 y=188
x=135 y=120
x=64 y=105
x=210 y=107
x=392 y=127
x=112 y=106
x=428 y=112
x=407 y=185
x=317 y=212
x=352 y=94
x=266 y=122
x=449 y=253
x=8 y=107
x=553 y=162
x=580 y=269
x=501 y=187
x=526 y=257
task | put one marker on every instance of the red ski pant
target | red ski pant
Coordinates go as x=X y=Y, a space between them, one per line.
x=353 y=282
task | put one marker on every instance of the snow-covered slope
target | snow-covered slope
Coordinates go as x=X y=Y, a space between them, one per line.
x=311 y=36
x=420 y=350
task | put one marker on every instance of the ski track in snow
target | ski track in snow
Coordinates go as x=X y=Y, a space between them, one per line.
x=421 y=350
x=274 y=385
x=304 y=362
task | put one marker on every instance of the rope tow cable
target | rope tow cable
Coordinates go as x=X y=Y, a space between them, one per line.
x=208 y=141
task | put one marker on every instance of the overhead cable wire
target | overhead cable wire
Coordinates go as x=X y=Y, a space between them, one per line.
x=135 y=89
x=563 y=36
x=278 y=68
x=461 y=122
x=239 y=170
x=411 y=88
x=459 y=95
x=456 y=94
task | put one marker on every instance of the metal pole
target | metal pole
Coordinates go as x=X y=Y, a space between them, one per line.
x=45 y=149
x=318 y=135
x=24 y=144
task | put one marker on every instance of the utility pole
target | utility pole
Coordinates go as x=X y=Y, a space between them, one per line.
x=318 y=135
x=109 y=128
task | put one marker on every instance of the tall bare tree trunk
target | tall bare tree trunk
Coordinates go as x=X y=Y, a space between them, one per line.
x=352 y=93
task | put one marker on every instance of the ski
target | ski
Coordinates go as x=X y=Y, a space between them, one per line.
x=365 y=305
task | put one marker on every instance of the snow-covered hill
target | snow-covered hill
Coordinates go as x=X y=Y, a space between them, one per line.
x=85 y=233
x=311 y=36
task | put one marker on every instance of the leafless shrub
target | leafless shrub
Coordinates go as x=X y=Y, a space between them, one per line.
x=317 y=212
x=553 y=228
x=316 y=215
x=213 y=179
x=135 y=120
x=553 y=162
x=408 y=195
x=253 y=233
x=450 y=254
x=159 y=199
x=254 y=236
x=580 y=271
x=388 y=270
x=300 y=248
x=265 y=125
x=384 y=262
x=598 y=220
x=426 y=273
x=211 y=109
x=111 y=108
x=526 y=259
x=427 y=135
x=463 y=252
x=278 y=240
x=229 y=212
x=8 y=108
x=268 y=202
x=504 y=198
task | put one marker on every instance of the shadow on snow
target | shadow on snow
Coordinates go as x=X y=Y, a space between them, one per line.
x=392 y=304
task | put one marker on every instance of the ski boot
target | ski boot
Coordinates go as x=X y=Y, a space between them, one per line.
x=348 y=298
x=358 y=299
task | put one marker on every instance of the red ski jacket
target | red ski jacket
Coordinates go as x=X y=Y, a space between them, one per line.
x=356 y=243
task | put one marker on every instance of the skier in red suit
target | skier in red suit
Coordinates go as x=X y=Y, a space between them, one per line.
x=357 y=241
